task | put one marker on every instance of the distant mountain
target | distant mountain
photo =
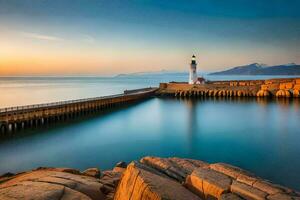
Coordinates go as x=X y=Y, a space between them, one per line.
x=262 y=69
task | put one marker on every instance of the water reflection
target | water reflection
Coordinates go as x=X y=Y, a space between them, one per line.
x=193 y=128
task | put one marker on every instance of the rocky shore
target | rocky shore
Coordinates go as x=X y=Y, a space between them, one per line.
x=151 y=178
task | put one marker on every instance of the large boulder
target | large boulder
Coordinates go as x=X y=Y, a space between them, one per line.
x=138 y=184
x=51 y=184
x=40 y=191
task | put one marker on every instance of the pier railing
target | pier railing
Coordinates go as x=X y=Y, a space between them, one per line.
x=61 y=103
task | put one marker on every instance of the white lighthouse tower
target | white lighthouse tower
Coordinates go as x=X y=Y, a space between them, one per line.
x=193 y=71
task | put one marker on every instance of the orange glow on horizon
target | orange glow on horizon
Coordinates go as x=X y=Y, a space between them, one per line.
x=22 y=57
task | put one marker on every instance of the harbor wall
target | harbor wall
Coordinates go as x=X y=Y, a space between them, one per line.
x=287 y=88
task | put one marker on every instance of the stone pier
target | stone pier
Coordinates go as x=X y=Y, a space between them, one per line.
x=21 y=117
x=282 y=88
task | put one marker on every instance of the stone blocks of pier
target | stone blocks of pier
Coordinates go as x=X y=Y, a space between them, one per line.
x=286 y=88
x=296 y=93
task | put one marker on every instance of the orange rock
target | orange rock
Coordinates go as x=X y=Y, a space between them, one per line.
x=247 y=179
x=47 y=184
x=109 y=181
x=40 y=191
x=235 y=172
x=267 y=187
x=119 y=169
x=208 y=183
x=280 y=197
x=247 y=191
x=230 y=196
x=68 y=170
x=184 y=166
x=139 y=184
x=173 y=167
x=94 y=172
x=230 y=170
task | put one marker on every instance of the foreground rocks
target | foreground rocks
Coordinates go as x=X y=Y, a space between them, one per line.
x=139 y=183
x=151 y=178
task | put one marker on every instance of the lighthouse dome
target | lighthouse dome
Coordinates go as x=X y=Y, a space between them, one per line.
x=193 y=59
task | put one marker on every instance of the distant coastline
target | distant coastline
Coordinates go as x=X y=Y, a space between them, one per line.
x=261 y=69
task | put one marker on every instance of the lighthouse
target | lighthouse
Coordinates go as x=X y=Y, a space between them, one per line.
x=193 y=71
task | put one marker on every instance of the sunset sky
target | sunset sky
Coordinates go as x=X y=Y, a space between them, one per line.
x=97 y=37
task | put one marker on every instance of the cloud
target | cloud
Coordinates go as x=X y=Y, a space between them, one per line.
x=41 y=36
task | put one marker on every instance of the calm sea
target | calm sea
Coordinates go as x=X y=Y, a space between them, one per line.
x=259 y=135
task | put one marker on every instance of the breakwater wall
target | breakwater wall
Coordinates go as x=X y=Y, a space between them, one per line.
x=286 y=88
x=21 y=117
